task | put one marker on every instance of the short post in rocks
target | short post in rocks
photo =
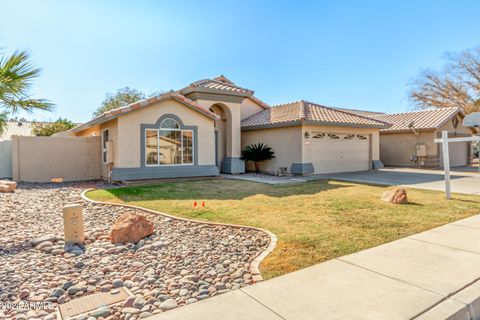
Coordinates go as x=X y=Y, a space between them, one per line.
x=73 y=223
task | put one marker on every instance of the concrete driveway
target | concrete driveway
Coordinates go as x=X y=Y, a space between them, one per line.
x=462 y=180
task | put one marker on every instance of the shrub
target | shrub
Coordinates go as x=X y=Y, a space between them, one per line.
x=257 y=153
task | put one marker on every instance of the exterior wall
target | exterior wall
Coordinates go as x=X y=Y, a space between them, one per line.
x=96 y=131
x=39 y=159
x=6 y=159
x=460 y=153
x=233 y=114
x=220 y=135
x=112 y=136
x=459 y=130
x=249 y=107
x=129 y=133
x=90 y=132
x=397 y=148
x=232 y=108
x=285 y=142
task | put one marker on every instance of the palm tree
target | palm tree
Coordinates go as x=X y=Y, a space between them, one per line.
x=257 y=153
x=16 y=76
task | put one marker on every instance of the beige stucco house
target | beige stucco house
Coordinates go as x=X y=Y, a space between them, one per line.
x=200 y=130
x=409 y=141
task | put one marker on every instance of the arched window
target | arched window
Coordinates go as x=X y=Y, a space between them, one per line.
x=170 y=144
x=169 y=123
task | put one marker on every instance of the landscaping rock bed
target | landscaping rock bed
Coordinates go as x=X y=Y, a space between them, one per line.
x=181 y=263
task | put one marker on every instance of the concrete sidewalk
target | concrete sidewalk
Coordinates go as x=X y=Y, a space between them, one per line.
x=431 y=275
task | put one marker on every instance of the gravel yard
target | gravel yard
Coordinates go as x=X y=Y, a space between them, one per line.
x=181 y=263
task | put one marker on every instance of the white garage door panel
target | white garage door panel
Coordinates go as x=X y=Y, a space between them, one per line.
x=340 y=155
x=458 y=154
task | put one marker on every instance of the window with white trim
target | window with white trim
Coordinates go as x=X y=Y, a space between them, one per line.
x=168 y=145
x=105 y=137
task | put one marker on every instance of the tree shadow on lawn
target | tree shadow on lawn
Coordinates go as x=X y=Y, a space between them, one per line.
x=220 y=190
x=465 y=200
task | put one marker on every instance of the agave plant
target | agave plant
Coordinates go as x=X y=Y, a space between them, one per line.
x=257 y=153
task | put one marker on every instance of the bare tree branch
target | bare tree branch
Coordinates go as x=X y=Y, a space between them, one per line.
x=457 y=84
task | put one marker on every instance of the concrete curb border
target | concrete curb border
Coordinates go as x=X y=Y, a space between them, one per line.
x=254 y=265
x=462 y=305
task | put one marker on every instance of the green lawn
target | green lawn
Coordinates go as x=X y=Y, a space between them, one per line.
x=314 y=221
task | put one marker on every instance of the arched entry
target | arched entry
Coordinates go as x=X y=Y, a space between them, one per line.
x=220 y=135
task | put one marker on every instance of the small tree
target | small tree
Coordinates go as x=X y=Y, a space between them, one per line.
x=257 y=153
x=121 y=98
x=54 y=127
x=3 y=121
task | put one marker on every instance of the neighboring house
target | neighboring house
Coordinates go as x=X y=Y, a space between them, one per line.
x=200 y=130
x=409 y=141
x=17 y=128
x=25 y=129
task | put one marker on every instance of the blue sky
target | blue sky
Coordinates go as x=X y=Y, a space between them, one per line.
x=351 y=54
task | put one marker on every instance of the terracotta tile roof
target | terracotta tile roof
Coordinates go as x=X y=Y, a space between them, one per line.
x=419 y=120
x=17 y=128
x=225 y=80
x=361 y=112
x=114 y=113
x=162 y=97
x=219 y=83
x=308 y=112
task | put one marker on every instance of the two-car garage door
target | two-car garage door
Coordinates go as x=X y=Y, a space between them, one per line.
x=335 y=152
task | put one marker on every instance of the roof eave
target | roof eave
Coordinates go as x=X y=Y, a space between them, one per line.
x=246 y=94
x=99 y=120
x=204 y=112
x=295 y=123
x=283 y=124
x=135 y=106
x=260 y=102
x=345 y=124
x=407 y=130
x=458 y=111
